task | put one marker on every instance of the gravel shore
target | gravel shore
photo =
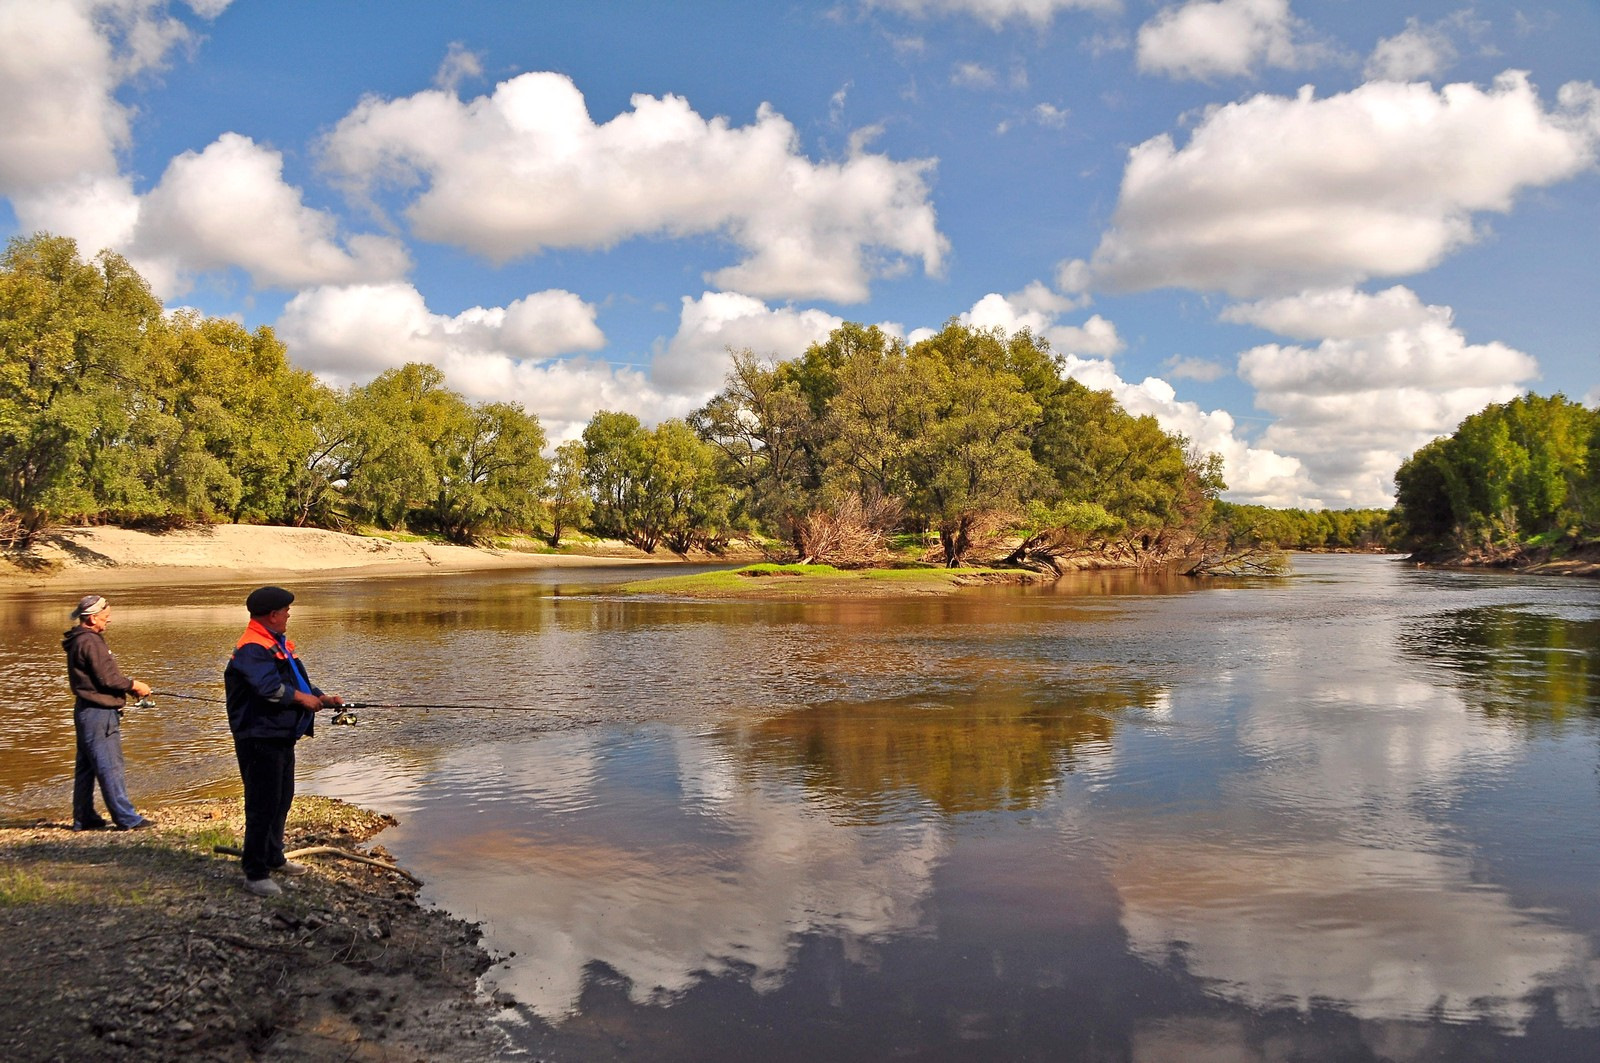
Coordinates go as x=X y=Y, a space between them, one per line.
x=144 y=946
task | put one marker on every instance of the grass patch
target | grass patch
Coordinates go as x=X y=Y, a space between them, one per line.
x=771 y=569
x=19 y=887
x=773 y=580
x=206 y=839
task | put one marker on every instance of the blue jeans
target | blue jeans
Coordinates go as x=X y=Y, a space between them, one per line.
x=99 y=734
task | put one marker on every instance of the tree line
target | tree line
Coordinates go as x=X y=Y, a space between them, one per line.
x=971 y=441
x=1519 y=474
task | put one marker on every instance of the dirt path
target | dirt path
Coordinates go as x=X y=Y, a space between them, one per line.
x=143 y=946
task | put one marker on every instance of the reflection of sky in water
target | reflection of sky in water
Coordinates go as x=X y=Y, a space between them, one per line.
x=1159 y=820
x=650 y=853
x=1332 y=871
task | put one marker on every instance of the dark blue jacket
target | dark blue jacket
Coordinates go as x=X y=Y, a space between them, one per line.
x=260 y=681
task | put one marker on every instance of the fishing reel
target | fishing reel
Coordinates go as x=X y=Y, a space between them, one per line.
x=145 y=702
x=344 y=718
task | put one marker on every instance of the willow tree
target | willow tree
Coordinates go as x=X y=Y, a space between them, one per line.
x=72 y=335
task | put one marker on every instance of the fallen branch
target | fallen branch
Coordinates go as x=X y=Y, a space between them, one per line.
x=330 y=850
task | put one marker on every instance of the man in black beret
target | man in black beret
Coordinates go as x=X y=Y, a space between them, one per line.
x=271 y=705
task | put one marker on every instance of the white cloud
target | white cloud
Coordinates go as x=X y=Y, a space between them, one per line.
x=1258 y=473
x=1254 y=474
x=62 y=128
x=696 y=360
x=53 y=57
x=1034 y=308
x=526 y=169
x=1200 y=369
x=1338 y=313
x=1418 y=51
x=996 y=12
x=460 y=64
x=973 y=76
x=229 y=206
x=1050 y=116
x=63 y=131
x=1205 y=39
x=1276 y=194
x=350 y=334
x=1390 y=375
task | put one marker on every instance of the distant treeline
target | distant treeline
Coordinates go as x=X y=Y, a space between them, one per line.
x=1515 y=475
x=113 y=411
x=1313 y=529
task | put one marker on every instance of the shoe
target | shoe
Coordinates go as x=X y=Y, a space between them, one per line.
x=262 y=887
x=89 y=824
x=144 y=823
x=291 y=868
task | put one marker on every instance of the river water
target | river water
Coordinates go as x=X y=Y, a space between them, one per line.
x=1351 y=814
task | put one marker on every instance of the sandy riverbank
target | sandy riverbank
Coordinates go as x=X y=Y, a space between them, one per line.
x=115 y=557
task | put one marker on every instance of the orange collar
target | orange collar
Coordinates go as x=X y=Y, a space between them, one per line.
x=256 y=634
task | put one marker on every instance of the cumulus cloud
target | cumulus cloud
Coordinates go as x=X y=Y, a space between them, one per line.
x=526 y=169
x=996 y=12
x=1253 y=473
x=62 y=128
x=1275 y=194
x=1035 y=308
x=1206 y=39
x=63 y=131
x=696 y=359
x=1388 y=375
x=230 y=206
x=349 y=334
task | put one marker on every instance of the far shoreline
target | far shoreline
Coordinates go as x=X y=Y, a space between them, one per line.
x=112 y=557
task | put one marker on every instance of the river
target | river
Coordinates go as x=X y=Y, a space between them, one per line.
x=1350 y=814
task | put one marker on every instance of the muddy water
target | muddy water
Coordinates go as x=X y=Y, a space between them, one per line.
x=1349 y=815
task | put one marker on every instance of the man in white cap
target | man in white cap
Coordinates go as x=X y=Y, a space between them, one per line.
x=99 y=691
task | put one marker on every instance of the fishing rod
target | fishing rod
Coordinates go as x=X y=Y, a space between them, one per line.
x=345 y=716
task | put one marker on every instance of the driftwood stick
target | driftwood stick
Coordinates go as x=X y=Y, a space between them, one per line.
x=331 y=850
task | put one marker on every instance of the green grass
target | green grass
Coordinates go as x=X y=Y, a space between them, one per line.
x=18 y=888
x=208 y=838
x=791 y=579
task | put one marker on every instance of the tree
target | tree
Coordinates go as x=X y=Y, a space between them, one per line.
x=490 y=473
x=407 y=426
x=651 y=487
x=72 y=336
x=565 y=499
x=762 y=427
x=969 y=433
x=613 y=464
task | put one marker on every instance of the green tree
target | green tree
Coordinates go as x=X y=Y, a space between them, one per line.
x=407 y=427
x=969 y=429
x=490 y=471
x=565 y=499
x=762 y=427
x=613 y=466
x=72 y=337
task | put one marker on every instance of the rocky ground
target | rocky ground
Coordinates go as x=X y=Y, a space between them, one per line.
x=144 y=946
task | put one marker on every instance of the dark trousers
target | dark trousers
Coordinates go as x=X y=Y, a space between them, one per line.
x=99 y=733
x=266 y=767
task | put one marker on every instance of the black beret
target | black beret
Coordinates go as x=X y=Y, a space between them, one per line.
x=264 y=600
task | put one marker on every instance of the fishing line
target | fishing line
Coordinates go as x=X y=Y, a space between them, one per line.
x=344 y=715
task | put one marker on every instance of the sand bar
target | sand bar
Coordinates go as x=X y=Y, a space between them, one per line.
x=229 y=552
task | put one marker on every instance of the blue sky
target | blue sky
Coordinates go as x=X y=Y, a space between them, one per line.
x=1309 y=234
